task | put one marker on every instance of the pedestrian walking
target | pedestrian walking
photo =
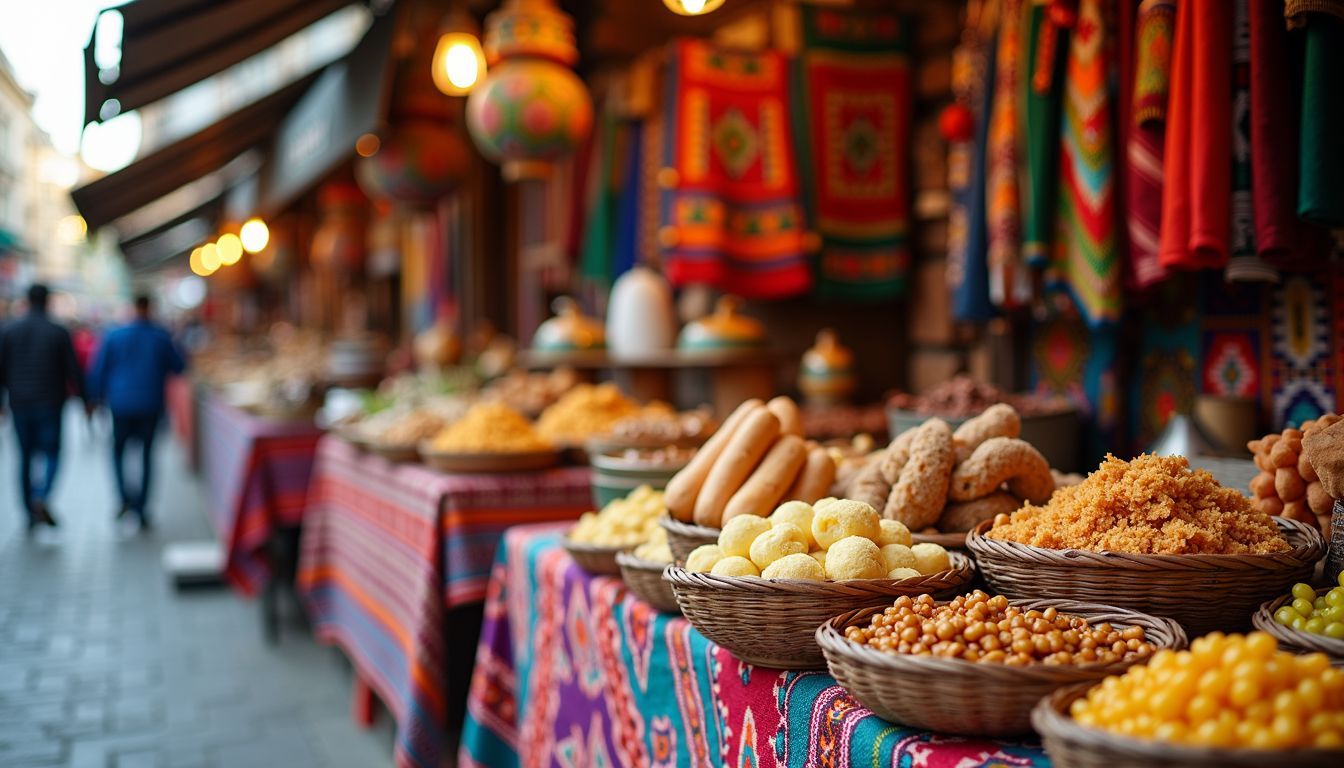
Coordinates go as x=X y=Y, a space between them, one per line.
x=129 y=373
x=38 y=373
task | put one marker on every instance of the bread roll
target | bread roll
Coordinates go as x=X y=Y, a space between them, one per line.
x=765 y=488
x=790 y=418
x=684 y=486
x=744 y=450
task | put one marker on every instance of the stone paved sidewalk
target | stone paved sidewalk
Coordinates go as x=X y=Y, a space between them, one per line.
x=104 y=664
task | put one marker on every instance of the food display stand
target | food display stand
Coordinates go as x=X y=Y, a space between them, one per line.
x=389 y=549
x=575 y=670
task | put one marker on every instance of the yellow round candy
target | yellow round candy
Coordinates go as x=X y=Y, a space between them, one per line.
x=930 y=558
x=797 y=566
x=735 y=566
x=893 y=532
x=737 y=534
x=780 y=541
x=899 y=556
x=797 y=512
x=841 y=518
x=901 y=574
x=703 y=558
x=855 y=557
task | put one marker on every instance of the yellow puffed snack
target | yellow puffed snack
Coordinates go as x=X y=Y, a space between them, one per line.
x=780 y=541
x=703 y=558
x=797 y=566
x=737 y=534
x=901 y=574
x=893 y=532
x=735 y=566
x=819 y=555
x=854 y=557
x=838 y=518
x=656 y=549
x=930 y=558
x=898 y=556
x=800 y=514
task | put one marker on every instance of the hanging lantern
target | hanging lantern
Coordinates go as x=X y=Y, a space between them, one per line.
x=531 y=109
x=338 y=243
x=417 y=164
x=459 y=62
x=692 y=7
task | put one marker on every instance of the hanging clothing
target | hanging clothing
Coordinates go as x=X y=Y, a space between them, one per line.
x=1087 y=262
x=1320 y=192
x=1155 y=28
x=1244 y=264
x=1274 y=135
x=1009 y=281
x=1196 y=200
x=1041 y=91
x=732 y=214
x=970 y=276
x=853 y=118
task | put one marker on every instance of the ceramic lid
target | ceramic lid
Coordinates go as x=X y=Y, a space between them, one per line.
x=723 y=328
x=569 y=330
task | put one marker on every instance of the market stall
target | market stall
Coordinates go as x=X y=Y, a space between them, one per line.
x=577 y=666
x=390 y=549
x=256 y=473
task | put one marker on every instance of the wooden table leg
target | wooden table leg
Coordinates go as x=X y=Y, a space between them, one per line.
x=362 y=708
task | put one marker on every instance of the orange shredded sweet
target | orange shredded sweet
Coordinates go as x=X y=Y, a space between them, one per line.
x=1153 y=505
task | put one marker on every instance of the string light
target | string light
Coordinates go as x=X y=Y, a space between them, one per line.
x=210 y=257
x=230 y=249
x=254 y=235
x=196 y=264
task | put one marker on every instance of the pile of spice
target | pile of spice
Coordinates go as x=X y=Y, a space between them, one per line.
x=1153 y=505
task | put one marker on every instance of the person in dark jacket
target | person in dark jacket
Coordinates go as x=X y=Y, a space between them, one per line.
x=38 y=372
x=129 y=373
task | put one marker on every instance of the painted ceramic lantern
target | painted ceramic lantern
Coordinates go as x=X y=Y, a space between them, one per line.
x=531 y=109
x=827 y=373
x=416 y=165
x=339 y=242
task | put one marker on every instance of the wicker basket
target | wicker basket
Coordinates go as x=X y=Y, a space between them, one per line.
x=1071 y=745
x=1296 y=640
x=1334 y=562
x=956 y=696
x=684 y=537
x=773 y=622
x=645 y=578
x=1202 y=592
x=944 y=540
x=595 y=559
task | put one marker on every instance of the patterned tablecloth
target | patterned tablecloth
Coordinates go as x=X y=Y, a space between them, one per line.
x=388 y=549
x=574 y=670
x=256 y=472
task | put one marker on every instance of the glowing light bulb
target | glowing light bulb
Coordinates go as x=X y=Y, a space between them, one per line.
x=459 y=62
x=692 y=7
x=254 y=235
x=210 y=257
x=197 y=265
x=230 y=249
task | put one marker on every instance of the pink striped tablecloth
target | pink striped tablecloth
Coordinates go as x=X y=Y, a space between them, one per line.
x=388 y=549
x=256 y=473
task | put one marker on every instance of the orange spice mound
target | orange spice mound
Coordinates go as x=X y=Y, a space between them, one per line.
x=1153 y=505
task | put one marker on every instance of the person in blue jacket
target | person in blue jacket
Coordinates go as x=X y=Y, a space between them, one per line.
x=129 y=373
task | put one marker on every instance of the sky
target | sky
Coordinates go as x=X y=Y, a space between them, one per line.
x=44 y=41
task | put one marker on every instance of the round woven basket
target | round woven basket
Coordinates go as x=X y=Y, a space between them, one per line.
x=645 y=578
x=1296 y=640
x=1202 y=592
x=684 y=537
x=595 y=559
x=963 y=697
x=773 y=622
x=1071 y=745
x=1334 y=562
x=944 y=540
